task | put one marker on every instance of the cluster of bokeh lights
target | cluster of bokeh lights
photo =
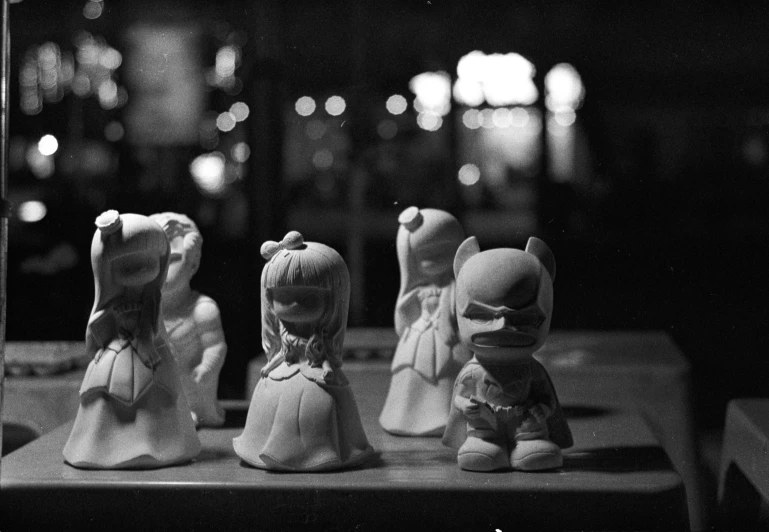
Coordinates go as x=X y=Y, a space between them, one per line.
x=334 y=106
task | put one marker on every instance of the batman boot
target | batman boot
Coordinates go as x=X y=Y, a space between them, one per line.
x=535 y=455
x=482 y=451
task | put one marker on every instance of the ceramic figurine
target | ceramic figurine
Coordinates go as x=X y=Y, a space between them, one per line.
x=133 y=413
x=192 y=321
x=429 y=355
x=303 y=416
x=505 y=412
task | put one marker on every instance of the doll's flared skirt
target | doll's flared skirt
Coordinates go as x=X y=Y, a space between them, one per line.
x=155 y=431
x=296 y=424
x=416 y=406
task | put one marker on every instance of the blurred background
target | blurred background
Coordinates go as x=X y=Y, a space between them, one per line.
x=633 y=138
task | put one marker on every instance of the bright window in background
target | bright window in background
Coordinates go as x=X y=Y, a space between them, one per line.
x=500 y=132
x=432 y=100
x=564 y=93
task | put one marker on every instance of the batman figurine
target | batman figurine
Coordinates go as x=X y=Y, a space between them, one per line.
x=505 y=413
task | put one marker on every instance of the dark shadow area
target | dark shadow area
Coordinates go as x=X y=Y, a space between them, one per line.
x=235 y=418
x=16 y=435
x=574 y=411
x=618 y=460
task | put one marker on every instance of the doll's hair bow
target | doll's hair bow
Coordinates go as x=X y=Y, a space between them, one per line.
x=109 y=222
x=292 y=240
x=411 y=219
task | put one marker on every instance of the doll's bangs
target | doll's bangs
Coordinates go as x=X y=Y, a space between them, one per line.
x=304 y=267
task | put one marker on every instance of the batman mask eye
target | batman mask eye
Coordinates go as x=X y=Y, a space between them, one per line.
x=480 y=317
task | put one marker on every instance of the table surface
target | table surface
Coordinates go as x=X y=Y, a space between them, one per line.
x=615 y=477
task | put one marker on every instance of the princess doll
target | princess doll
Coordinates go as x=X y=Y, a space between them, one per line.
x=428 y=356
x=303 y=416
x=133 y=413
x=192 y=320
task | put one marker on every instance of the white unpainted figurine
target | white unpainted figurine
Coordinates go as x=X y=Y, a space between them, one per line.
x=303 y=416
x=429 y=355
x=505 y=412
x=192 y=320
x=133 y=413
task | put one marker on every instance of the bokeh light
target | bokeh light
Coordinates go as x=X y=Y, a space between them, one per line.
x=316 y=129
x=335 y=105
x=564 y=89
x=240 y=152
x=387 y=129
x=114 y=131
x=240 y=111
x=47 y=145
x=93 y=10
x=323 y=159
x=433 y=93
x=565 y=118
x=397 y=104
x=31 y=211
x=469 y=174
x=519 y=117
x=207 y=171
x=305 y=106
x=429 y=121
x=501 y=117
x=499 y=79
x=225 y=121
x=470 y=118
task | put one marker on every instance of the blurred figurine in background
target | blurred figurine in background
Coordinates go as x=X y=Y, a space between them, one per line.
x=505 y=412
x=303 y=416
x=192 y=320
x=429 y=355
x=133 y=413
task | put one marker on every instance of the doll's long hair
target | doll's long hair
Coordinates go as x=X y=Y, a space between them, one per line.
x=316 y=265
x=134 y=233
x=422 y=228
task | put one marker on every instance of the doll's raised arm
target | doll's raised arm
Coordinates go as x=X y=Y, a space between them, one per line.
x=407 y=310
x=208 y=322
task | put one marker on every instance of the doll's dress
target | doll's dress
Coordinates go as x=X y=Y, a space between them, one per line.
x=131 y=416
x=301 y=419
x=426 y=362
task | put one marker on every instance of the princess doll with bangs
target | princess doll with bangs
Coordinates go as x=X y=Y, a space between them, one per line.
x=303 y=416
x=429 y=355
x=133 y=413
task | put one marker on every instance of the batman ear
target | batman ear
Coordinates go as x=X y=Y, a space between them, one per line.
x=540 y=250
x=466 y=249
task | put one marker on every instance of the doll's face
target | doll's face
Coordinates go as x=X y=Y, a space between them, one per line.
x=136 y=269
x=435 y=259
x=503 y=306
x=298 y=304
x=181 y=264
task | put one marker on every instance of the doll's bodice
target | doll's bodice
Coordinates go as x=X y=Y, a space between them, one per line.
x=127 y=319
x=426 y=344
x=429 y=301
